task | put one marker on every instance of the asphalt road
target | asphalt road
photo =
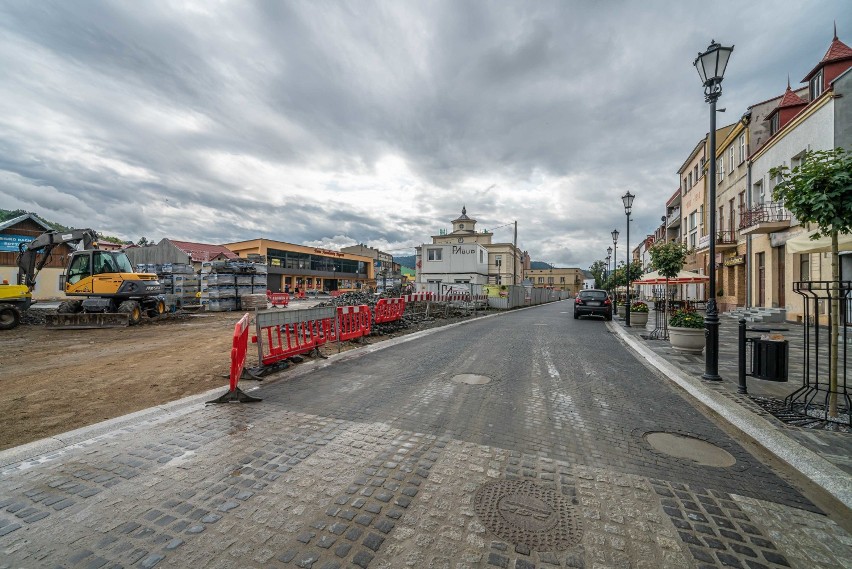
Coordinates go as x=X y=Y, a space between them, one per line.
x=562 y=388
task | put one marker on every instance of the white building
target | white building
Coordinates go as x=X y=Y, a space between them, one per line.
x=451 y=263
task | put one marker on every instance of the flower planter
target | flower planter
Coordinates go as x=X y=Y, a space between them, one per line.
x=638 y=319
x=687 y=340
x=622 y=310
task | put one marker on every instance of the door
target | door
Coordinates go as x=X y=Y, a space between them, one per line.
x=782 y=282
x=761 y=279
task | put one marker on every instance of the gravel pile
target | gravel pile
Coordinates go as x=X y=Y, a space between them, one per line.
x=34 y=317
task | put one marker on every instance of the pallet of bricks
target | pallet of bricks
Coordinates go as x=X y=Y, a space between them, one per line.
x=181 y=284
x=233 y=285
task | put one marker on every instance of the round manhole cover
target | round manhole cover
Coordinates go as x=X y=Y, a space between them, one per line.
x=690 y=448
x=471 y=379
x=522 y=512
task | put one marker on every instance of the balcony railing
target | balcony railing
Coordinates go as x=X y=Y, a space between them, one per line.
x=764 y=213
x=724 y=239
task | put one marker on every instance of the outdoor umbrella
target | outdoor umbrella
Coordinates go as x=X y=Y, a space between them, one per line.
x=803 y=244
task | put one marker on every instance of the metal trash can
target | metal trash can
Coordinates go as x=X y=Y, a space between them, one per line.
x=769 y=359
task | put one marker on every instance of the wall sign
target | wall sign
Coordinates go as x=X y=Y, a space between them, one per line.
x=736 y=260
x=9 y=243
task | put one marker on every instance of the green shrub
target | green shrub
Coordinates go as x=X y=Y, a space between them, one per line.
x=686 y=319
x=639 y=306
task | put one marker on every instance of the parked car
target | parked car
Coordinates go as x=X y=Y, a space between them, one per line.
x=593 y=302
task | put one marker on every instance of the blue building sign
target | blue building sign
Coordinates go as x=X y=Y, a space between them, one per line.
x=10 y=243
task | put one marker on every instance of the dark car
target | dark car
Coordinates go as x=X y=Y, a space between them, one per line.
x=593 y=302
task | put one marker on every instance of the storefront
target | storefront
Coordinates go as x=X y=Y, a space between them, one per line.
x=296 y=267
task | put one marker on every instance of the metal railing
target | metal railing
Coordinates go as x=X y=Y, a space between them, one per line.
x=817 y=397
x=764 y=213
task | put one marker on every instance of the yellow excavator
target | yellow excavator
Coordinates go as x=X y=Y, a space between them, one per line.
x=112 y=294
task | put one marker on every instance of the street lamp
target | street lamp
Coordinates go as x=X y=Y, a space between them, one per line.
x=614 y=258
x=711 y=68
x=627 y=199
x=608 y=257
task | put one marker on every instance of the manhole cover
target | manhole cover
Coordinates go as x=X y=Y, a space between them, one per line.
x=471 y=379
x=690 y=448
x=522 y=512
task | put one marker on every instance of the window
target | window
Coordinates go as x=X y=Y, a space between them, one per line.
x=562 y=280
x=695 y=174
x=774 y=124
x=685 y=186
x=692 y=240
x=731 y=163
x=816 y=85
x=498 y=260
x=540 y=280
x=742 y=148
x=692 y=220
x=433 y=254
x=805 y=267
x=481 y=258
x=757 y=196
x=742 y=205
x=550 y=280
x=701 y=217
x=690 y=179
x=721 y=223
x=720 y=166
x=461 y=225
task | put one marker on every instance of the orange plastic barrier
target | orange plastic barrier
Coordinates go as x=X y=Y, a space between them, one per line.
x=239 y=347
x=389 y=309
x=353 y=322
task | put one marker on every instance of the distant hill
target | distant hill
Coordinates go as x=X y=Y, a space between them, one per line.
x=539 y=265
x=407 y=261
x=6 y=214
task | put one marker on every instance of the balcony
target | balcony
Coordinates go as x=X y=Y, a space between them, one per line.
x=725 y=240
x=673 y=219
x=764 y=218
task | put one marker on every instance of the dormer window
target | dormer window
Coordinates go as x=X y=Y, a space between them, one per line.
x=774 y=124
x=816 y=85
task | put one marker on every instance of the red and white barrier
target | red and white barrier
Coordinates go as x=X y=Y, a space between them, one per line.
x=418 y=297
x=282 y=335
x=278 y=298
x=239 y=347
x=389 y=309
x=353 y=322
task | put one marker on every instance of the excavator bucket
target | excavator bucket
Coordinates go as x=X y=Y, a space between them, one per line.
x=86 y=320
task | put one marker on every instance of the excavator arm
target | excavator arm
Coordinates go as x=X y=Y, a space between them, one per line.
x=35 y=254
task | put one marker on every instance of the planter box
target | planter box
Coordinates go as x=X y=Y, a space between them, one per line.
x=638 y=319
x=687 y=340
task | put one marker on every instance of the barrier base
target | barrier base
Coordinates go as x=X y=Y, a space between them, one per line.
x=257 y=373
x=235 y=396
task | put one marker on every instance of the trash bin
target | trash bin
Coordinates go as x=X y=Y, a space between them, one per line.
x=769 y=359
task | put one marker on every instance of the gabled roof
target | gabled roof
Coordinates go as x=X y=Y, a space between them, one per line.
x=203 y=251
x=837 y=51
x=463 y=216
x=790 y=99
x=16 y=220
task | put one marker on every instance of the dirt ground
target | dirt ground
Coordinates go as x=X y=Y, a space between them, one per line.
x=53 y=381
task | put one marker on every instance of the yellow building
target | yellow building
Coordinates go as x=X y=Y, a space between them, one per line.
x=294 y=267
x=567 y=279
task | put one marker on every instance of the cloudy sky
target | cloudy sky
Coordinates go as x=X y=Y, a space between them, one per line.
x=333 y=123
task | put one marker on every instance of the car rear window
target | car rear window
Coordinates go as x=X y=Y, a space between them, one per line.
x=593 y=295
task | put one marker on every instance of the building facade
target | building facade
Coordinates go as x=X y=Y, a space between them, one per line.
x=505 y=262
x=23 y=229
x=292 y=267
x=556 y=278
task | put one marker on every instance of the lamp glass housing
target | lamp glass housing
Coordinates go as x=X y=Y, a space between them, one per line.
x=615 y=235
x=712 y=63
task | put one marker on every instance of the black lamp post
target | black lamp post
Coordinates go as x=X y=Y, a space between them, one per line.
x=614 y=258
x=711 y=68
x=608 y=258
x=627 y=200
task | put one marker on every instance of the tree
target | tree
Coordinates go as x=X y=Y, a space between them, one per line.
x=143 y=241
x=819 y=190
x=667 y=259
x=597 y=269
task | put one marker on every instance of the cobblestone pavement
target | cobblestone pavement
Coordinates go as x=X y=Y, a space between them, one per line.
x=386 y=458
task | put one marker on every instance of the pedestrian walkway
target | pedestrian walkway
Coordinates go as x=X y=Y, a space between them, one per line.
x=823 y=456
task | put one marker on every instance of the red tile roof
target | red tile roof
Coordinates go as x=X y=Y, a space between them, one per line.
x=790 y=99
x=203 y=251
x=837 y=51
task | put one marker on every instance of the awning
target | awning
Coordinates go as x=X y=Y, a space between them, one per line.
x=803 y=243
x=683 y=277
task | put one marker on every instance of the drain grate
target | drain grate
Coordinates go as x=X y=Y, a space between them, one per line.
x=522 y=512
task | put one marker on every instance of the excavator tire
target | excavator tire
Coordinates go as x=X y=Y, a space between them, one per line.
x=10 y=317
x=158 y=310
x=131 y=308
x=70 y=307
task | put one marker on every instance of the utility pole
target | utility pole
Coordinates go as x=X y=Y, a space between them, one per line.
x=515 y=256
